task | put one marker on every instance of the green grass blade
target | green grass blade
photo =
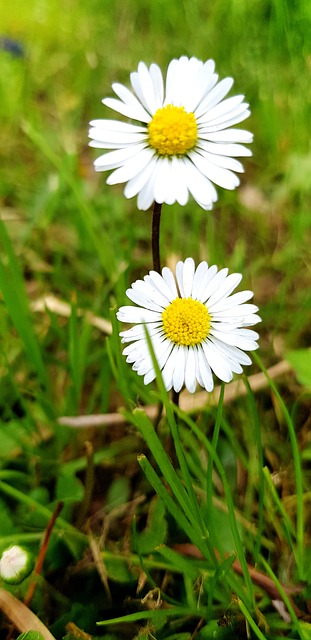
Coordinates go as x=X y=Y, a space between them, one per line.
x=101 y=241
x=14 y=295
x=286 y=600
x=297 y=470
x=171 y=505
x=251 y=622
x=230 y=505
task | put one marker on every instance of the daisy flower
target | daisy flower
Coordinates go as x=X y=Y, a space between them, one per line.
x=196 y=326
x=181 y=139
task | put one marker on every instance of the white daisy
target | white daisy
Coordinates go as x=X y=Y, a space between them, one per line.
x=196 y=326
x=183 y=141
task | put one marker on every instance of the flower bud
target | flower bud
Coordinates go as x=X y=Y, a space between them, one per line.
x=16 y=564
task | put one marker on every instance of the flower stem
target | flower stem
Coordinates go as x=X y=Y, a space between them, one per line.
x=155 y=241
x=175 y=397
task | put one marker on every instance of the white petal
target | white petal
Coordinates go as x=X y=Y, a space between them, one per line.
x=202 y=190
x=190 y=371
x=200 y=273
x=204 y=83
x=144 y=177
x=140 y=299
x=222 y=149
x=146 y=194
x=121 y=138
x=234 y=301
x=205 y=371
x=143 y=87
x=222 y=161
x=230 y=135
x=238 y=339
x=151 y=292
x=168 y=369
x=114 y=159
x=179 y=369
x=116 y=126
x=228 y=106
x=135 y=112
x=178 y=79
x=206 y=279
x=217 y=362
x=222 y=177
x=135 y=314
x=131 y=169
x=250 y=320
x=179 y=277
x=158 y=282
x=188 y=273
x=214 y=97
x=225 y=122
x=137 y=332
x=169 y=186
x=158 y=84
x=224 y=290
x=213 y=284
x=131 y=101
x=170 y=281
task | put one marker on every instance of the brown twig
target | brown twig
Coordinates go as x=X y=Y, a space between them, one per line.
x=22 y=618
x=188 y=402
x=42 y=553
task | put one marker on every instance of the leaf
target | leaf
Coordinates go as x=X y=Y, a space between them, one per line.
x=118 y=493
x=118 y=571
x=69 y=488
x=7 y=525
x=301 y=363
x=30 y=635
x=155 y=532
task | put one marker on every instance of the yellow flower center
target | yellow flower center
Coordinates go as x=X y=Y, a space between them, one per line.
x=186 y=321
x=172 y=131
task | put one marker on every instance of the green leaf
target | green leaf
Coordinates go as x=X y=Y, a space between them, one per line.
x=155 y=532
x=301 y=363
x=30 y=635
x=69 y=488
x=118 y=571
x=118 y=493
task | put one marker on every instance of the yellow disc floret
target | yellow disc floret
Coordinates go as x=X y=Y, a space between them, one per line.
x=172 y=131
x=186 y=322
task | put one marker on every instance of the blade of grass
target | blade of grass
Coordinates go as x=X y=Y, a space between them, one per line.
x=23 y=498
x=230 y=505
x=101 y=241
x=298 y=474
x=145 y=426
x=286 y=523
x=251 y=622
x=14 y=295
x=170 y=504
x=154 y=615
x=209 y=472
x=259 y=451
x=286 y=600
